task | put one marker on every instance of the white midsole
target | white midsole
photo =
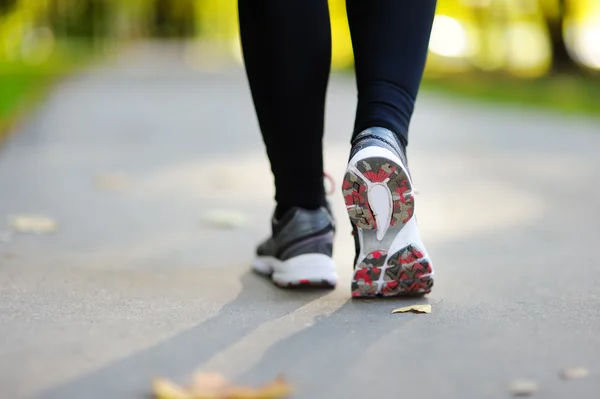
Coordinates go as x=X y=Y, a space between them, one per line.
x=314 y=268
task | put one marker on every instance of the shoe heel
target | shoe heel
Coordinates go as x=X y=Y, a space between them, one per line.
x=368 y=173
x=382 y=215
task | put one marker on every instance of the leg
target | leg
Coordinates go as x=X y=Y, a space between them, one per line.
x=287 y=53
x=390 y=39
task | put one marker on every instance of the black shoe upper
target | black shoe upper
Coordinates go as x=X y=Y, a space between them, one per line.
x=300 y=231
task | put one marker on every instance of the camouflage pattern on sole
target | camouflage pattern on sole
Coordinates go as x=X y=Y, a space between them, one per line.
x=377 y=170
x=368 y=273
x=406 y=273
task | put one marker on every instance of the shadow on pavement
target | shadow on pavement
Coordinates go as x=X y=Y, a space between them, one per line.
x=182 y=354
x=318 y=356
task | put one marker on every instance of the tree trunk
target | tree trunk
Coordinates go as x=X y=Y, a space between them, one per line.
x=6 y=6
x=562 y=62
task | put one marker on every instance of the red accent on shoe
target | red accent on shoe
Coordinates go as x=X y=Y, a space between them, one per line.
x=331 y=183
x=377 y=177
x=363 y=274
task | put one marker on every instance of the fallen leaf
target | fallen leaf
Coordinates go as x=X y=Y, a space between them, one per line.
x=164 y=389
x=111 y=181
x=273 y=390
x=225 y=218
x=414 y=309
x=33 y=224
x=575 y=373
x=205 y=384
x=215 y=386
x=522 y=387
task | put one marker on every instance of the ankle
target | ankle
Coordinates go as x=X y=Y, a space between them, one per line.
x=380 y=137
x=381 y=134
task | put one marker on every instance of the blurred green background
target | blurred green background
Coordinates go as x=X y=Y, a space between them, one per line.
x=542 y=53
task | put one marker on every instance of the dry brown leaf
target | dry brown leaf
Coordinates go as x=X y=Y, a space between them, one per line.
x=111 y=181
x=215 y=386
x=523 y=387
x=414 y=309
x=35 y=224
x=575 y=373
x=225 y=218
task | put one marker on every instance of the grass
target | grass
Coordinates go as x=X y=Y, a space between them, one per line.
x=568 y=94
x=22 y=86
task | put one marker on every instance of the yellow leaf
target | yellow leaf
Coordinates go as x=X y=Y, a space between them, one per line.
x=274 y=390
x=575 y=373
x=414 y=309
x=215 y=386
x=111 y=181
x=164 y=389
x=228 y=219
x=33 y=224
x=522 y=387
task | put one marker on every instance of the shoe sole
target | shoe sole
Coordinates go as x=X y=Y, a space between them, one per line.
x=308 y=270
x=379 y=199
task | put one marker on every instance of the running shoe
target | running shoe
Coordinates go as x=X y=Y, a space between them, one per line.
x=299 y=251
x=390 y=259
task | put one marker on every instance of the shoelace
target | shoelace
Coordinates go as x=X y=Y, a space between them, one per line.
x=328 y=177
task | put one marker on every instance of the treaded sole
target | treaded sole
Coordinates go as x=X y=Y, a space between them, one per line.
x=407 y=271
x=306 y=284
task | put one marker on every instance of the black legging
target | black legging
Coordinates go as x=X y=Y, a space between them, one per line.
x=287 y=53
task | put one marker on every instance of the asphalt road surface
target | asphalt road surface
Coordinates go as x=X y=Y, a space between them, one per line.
x=156 y=174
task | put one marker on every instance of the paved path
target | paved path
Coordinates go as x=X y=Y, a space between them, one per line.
x=135 y=283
